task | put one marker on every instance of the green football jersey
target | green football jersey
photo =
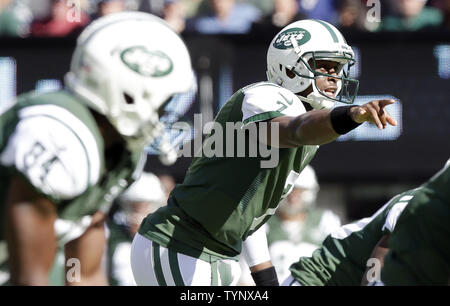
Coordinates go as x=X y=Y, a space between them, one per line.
x=419 y=246
x=342 y=258
x=224 y=199
x=53 y=141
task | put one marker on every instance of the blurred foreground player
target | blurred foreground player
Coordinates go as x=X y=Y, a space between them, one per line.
x=412 y=229
x=143 y=197
x=419 y=247
x=68 y=154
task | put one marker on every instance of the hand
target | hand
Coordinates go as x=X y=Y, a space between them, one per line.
x=373 y=112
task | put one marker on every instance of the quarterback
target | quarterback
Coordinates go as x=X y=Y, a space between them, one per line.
x=211 y=216
x=66 y=155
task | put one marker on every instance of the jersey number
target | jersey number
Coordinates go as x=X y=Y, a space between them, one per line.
x=288 y=186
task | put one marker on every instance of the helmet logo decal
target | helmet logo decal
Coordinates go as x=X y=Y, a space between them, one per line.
x=283 y=40
x=147 y=63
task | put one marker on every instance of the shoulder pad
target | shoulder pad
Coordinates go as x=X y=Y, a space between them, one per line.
x=266 y=100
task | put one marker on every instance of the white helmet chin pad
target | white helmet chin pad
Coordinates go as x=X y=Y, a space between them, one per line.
x=318 y=101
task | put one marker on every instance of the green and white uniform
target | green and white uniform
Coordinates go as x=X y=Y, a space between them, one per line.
x=224 y=199
x=54 y=143
x=342 y=258
x=419 y=247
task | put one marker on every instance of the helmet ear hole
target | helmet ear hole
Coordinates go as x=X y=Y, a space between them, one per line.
x=289 y=73
x=128 y=99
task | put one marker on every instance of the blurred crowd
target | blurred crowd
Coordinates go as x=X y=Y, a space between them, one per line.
x=57 y=18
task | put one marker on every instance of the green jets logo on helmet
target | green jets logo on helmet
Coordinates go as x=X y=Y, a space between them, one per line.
x=147 y=63
x=283 y=40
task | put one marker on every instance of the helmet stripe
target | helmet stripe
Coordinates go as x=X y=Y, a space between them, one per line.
x=326 y=25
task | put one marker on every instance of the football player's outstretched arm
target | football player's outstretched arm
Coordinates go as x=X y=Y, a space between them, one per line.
x=322 y=126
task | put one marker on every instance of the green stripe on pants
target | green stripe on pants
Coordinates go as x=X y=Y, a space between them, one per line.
x=158 y=268
x=175 y=268
x=215 y=281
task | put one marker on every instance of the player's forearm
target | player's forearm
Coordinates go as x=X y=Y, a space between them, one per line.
x=312 y=128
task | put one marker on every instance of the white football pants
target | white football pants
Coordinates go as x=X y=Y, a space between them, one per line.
x=155 y=265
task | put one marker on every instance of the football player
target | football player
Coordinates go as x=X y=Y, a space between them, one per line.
x=195 y=239
x=419 y=247
x=66 y=155
x=356 y=253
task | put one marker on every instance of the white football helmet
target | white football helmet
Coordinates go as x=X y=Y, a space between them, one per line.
x=128 y=66
x=293 y=48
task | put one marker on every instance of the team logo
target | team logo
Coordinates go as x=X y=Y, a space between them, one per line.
x=147 y=63
x=283 y=40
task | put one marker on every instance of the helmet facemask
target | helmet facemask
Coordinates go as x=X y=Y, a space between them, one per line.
x=347 y=88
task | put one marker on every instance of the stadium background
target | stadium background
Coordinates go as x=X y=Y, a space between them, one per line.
x=358 y=173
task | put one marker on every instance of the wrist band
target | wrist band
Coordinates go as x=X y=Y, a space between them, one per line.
x=266 y=277
x=341 y=121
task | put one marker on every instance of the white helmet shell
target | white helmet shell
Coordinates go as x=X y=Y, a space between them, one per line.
x=126 y=66
x=293 y=47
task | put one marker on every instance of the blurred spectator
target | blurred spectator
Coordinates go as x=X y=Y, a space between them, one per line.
x=172 y=11
x=411 y=15
x=226 y=16
x=107 y=7
x=284 y=13
x=143 y=197
x=63 y=20
x=352 y=15
x=319 y=9
x=15 y=18
x=265 y=6
x=175 y=15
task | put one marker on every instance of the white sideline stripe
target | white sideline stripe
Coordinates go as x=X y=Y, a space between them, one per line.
x=77 y=126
